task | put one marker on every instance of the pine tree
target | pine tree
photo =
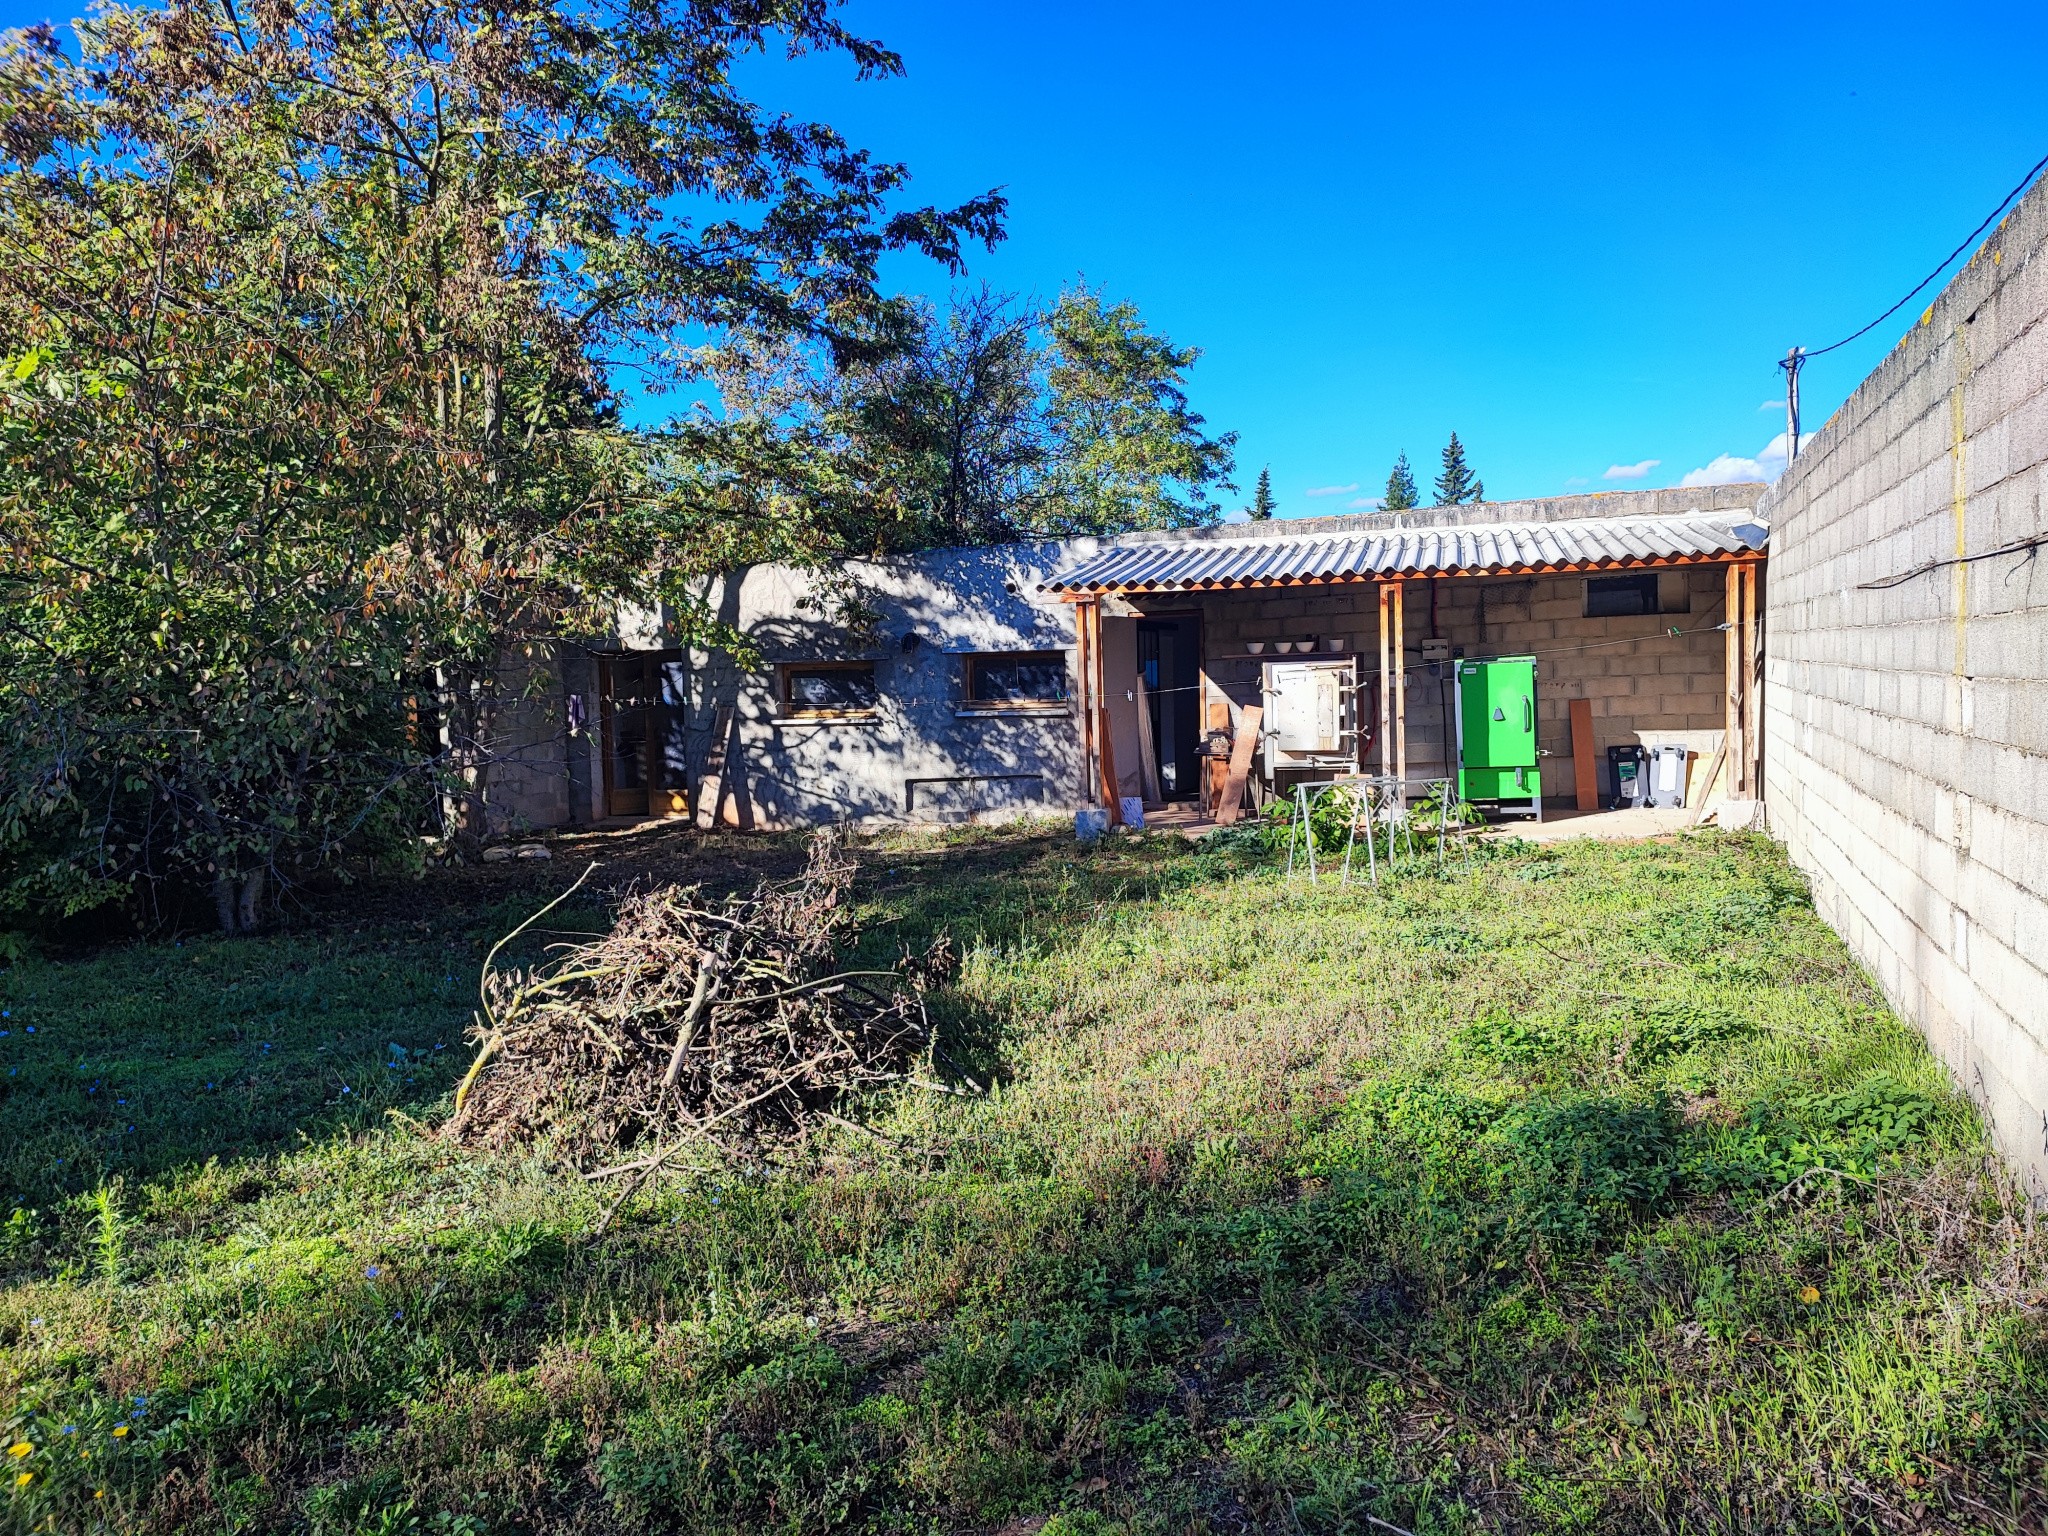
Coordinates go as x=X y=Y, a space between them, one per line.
x=1457 y=484
x=1401 y=492
x=1261 y=509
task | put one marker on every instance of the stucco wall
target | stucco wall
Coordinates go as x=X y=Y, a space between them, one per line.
x=922 y=756
x=1906 y=704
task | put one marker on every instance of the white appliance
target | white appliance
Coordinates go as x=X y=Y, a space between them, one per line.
x=1311 y=716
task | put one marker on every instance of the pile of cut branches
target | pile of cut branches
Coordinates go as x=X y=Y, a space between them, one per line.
x=722 y=1025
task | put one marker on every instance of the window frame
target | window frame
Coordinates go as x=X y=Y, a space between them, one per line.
x=788 y=708
x=1644 y=582
x=971 y=663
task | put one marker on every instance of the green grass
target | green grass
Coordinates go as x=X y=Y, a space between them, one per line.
x=1589 y=1189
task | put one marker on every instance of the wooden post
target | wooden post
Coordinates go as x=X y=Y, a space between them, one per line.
x=1105 y=748
x=1386 y=687
x=1084 y=681
x=1585 y=769
x=1752 y=717
x=1400 y=697
x=1732 y=666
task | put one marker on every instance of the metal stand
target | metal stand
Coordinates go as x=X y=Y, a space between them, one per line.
x=1374 y=801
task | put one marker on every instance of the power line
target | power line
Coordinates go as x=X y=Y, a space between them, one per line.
x=2025 y=180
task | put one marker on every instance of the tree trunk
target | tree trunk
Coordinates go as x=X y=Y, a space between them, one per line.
x=249 y=902
x=238 y=902
x=465 y=716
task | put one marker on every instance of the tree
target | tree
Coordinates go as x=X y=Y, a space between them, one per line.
x=1128 y=452
x=991 y=421
x=311 y=315
x=1457 y=485
x=1401 y=493
x=1261 y=509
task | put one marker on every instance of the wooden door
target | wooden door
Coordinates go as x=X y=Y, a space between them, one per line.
x=627 y=701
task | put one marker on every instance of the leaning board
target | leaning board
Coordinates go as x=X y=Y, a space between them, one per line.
x=1242 y=746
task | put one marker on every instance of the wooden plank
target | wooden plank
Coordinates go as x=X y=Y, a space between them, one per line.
x=1585 y=768
x=711 y=786
x=1216 y=769
x=1110 y=798
x=739 y=806
x=1148 y=749
x=1241 y=748
x=1706 y=784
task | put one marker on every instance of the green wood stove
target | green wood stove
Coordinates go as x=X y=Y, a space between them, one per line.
x=1496 y=713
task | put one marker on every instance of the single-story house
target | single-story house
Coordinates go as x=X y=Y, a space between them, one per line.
x=1043 y=676
x=1901 y=742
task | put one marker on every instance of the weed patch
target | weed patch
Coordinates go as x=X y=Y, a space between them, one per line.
x=1586 y=1188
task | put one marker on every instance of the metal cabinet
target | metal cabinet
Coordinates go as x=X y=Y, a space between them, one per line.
x=1496 y=715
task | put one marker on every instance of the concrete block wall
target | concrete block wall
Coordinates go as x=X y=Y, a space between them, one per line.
x=1906 y=697
x=532 y=783
x=1646 y=685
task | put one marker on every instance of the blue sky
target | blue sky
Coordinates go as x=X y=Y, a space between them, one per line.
x=1579 y=236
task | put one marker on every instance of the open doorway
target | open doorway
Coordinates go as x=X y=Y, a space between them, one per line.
x=1170 y=661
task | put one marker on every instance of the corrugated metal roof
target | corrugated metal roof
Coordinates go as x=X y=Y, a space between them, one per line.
x=1477 y=549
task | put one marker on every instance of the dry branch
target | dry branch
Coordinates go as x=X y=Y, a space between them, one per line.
x=727 y=1026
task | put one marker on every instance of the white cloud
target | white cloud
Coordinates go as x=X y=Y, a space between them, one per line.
x=1365 y=503
x=1332 y=490
x=1723 y=469
x=1572 y=480
x=1772 y=405
x=1634 y=471
x=1729 y=468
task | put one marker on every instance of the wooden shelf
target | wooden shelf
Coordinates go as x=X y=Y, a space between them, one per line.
x=1294 y=656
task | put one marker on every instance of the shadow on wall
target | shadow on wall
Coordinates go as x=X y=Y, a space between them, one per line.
x=911 y=742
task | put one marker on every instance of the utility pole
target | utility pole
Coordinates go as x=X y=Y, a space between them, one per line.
x=1795 y=359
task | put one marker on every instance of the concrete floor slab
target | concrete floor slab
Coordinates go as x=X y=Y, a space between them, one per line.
x=1609 y=826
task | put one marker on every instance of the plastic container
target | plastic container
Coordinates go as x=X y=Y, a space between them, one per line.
x=1628 y=777
x=1667 y=777
x=1090 y=822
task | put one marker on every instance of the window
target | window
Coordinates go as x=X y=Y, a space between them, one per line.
x=1619 y=597
x=1017 y=680
x=823 y=689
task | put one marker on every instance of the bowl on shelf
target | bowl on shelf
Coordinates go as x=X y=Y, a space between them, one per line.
x=1284 y=647
x=1335 y=642
x=1254 y=647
